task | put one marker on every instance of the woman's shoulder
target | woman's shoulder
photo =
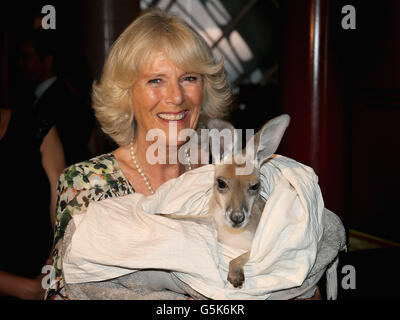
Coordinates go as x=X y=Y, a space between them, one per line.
x=86 y=173
x=104 y=162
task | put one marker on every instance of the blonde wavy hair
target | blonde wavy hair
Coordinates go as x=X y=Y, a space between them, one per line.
x=153 y=31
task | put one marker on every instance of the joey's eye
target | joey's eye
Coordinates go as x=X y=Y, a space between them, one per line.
x=255 y=187
x=221 y=184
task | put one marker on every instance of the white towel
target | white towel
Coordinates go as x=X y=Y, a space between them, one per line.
x=119 y=236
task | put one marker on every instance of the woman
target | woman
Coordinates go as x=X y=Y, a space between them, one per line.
x=32 y=159
x=160 y=74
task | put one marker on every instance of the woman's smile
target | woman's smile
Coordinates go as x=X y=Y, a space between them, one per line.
x=177 y=117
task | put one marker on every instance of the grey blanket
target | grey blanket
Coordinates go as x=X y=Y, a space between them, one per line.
x=153 y=284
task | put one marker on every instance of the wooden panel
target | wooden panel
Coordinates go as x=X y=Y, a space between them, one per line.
x=312 y=97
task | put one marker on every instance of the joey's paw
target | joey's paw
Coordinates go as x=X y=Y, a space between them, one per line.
x=236 y=277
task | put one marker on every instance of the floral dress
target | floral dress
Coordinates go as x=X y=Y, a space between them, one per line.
x=93 y=180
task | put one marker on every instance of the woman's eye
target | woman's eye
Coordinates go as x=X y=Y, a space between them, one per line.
x=155 y=81
x=190 y=78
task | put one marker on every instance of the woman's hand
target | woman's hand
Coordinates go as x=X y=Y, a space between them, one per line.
x=32 y=289
x=20 y=287
x=316 y=296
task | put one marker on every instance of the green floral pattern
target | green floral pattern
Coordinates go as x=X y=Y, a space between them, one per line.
x=93 y=180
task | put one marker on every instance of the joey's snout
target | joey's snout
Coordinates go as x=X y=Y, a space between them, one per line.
x=237 y=217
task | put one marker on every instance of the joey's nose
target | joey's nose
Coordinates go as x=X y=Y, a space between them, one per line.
x=237 y=217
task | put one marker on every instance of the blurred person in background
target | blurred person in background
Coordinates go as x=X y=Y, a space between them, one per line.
x=32 y=159
x=55 y=91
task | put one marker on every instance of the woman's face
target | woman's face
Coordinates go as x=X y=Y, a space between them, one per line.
x=166 y=97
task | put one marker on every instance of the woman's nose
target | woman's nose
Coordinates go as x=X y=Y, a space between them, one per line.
x=175 y=94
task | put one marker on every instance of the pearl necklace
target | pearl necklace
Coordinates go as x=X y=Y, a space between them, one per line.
x=142 y=173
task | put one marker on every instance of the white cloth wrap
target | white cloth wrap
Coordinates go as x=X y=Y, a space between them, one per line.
x=119 y=236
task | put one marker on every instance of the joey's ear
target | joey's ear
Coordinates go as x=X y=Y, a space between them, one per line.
x=267 y=139
x=224 y=139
